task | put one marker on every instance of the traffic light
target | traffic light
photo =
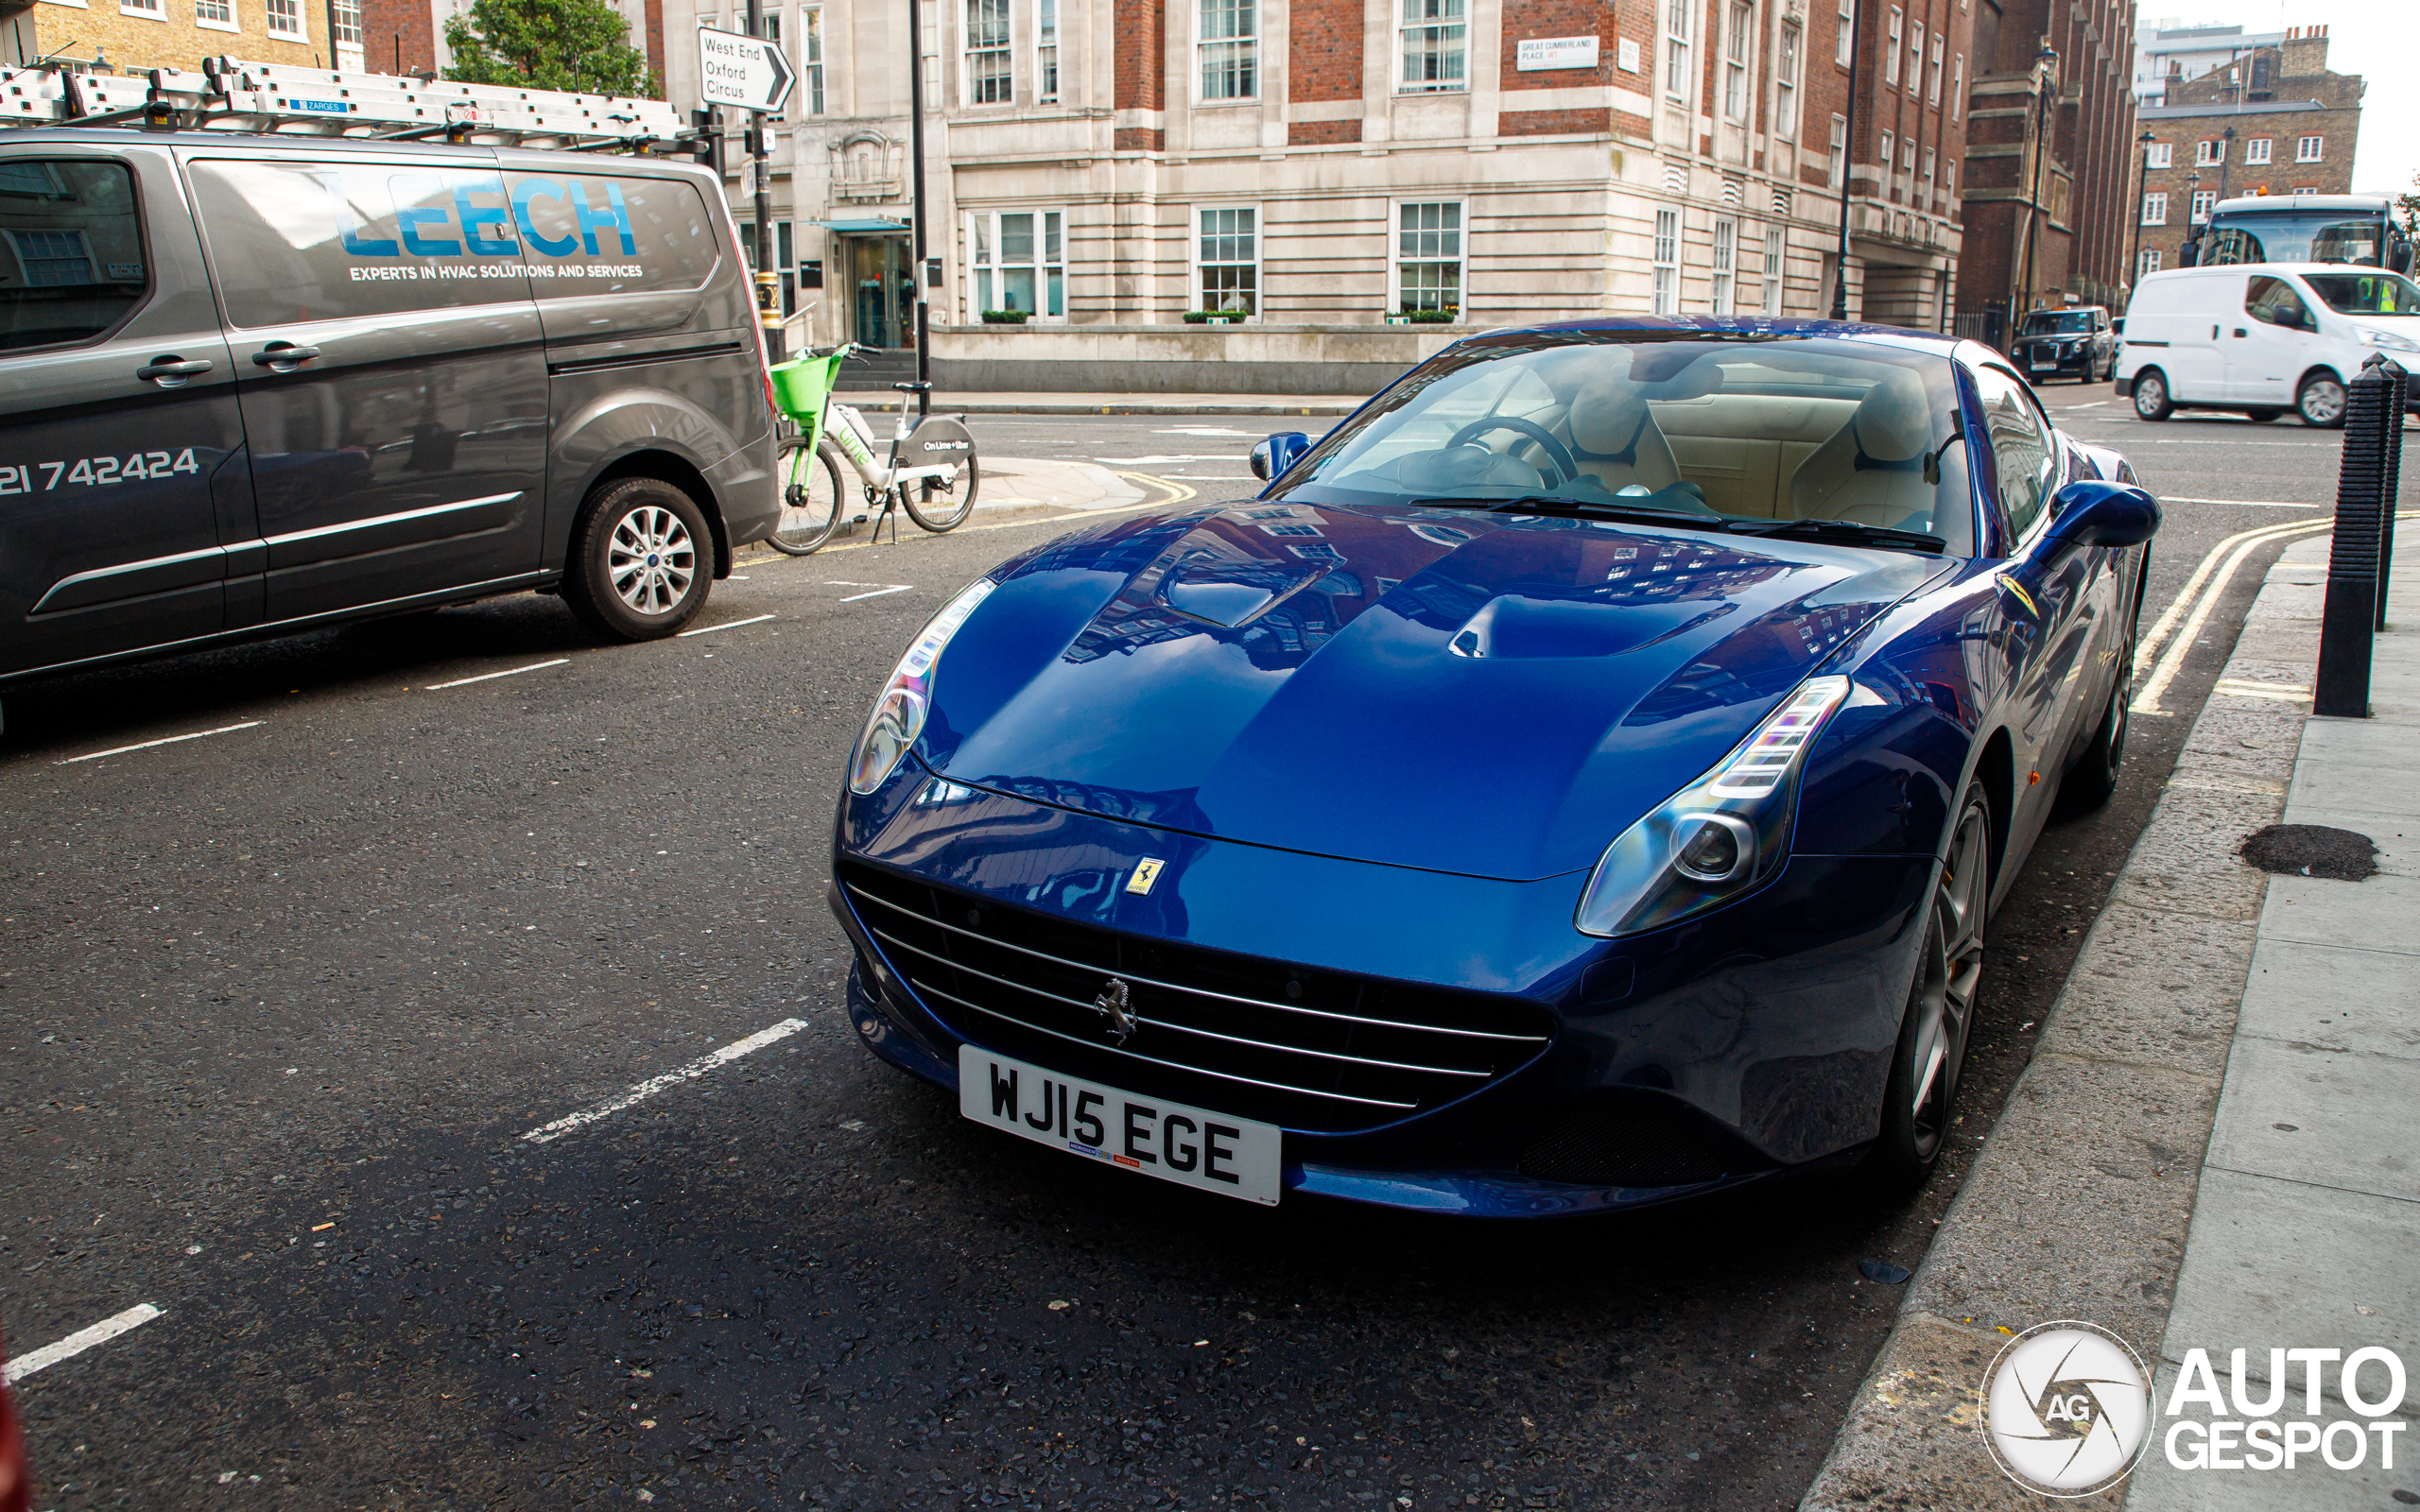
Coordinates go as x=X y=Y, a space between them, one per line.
x=708 y=135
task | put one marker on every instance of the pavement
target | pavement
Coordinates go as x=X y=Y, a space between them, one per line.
x=2210 y=1149
x=1053 y=403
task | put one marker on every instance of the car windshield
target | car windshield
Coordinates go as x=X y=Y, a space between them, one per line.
x=2064 y=323
x=1757 y=429
x=2366 y=293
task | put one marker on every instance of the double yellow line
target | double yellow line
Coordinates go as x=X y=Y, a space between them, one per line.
x=2180 y=624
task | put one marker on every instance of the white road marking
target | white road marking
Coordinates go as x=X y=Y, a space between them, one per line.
x=1197 y=430
x=671 y=1078
x=120 y=750
x=878 y=593
x=508 y=672
x=2095 y=405
x=77 y=1342
x=1186 y=456
x=730 y=625
x=2244 y=503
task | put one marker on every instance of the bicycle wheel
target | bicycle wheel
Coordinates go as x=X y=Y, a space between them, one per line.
x=940 y=507
x=811 y=496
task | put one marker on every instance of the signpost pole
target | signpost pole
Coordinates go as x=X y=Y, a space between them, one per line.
x=916 y=183
x=761 y=167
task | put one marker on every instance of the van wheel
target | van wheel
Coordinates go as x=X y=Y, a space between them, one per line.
x=2321 y=399
x=2262 y=417
x=641 y=562
x=2151 y=395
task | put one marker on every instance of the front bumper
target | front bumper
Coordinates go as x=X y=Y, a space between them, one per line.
x=2056 y=363
x=1754 y=1039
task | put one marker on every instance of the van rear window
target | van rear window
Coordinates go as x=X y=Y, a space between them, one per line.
x=613 y=233
x=72 y=264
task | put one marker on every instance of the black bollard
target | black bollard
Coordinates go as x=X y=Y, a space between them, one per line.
x=2349 y=620
x=2393 y=490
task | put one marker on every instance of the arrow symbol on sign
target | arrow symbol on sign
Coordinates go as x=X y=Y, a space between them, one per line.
x=782 y=76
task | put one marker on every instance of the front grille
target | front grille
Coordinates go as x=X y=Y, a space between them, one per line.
x=1313 y=1050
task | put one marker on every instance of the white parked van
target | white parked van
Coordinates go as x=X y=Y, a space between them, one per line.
x=2262 y=338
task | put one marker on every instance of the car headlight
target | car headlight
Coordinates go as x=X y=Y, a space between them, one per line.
x=898 y=715
x=1717 y=837
x=2372 y=337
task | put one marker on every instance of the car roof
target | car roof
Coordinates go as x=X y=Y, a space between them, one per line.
x=2285 y=204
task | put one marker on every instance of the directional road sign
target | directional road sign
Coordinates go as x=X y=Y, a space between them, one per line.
x=749 y=73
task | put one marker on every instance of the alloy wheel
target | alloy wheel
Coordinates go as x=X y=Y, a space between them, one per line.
x=651 y=559
x=1950 y=971
x=2323 y=402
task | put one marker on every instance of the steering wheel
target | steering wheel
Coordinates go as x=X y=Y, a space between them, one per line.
x=1556 y=451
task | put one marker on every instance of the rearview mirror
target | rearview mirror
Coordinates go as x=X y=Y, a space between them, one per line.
x=1271 y=457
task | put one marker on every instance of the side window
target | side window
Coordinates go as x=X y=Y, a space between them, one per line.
x=71 y=251
x=595 y=233
x=319 y=241
x=2273 y=301
x=2023 y=455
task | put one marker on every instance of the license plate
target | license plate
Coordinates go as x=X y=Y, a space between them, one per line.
x=1192 y=1146
x=2040 y=363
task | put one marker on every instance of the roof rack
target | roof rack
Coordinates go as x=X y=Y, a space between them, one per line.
x=280 y=99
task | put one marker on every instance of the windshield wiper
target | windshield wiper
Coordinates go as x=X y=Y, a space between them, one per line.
x=1575 y=509
x=1863 y=535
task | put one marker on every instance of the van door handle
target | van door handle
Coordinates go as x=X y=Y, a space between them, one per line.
x=169 y=372
x=284 y=356
x=2239 y=333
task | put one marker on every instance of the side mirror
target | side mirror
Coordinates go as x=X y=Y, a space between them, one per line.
x=2096 y=513
x=1271 y=457
x=2117 y=327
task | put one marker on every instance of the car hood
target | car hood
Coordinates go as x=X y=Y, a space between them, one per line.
x=1491 y=695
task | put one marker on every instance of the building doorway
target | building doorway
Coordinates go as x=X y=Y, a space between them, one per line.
x=882 y=293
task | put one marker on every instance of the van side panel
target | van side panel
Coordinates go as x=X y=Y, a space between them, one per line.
x=647 y=318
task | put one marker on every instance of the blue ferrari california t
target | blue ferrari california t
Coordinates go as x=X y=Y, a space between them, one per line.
x=1579 y=779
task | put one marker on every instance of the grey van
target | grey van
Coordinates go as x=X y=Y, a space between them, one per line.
x=251 y=384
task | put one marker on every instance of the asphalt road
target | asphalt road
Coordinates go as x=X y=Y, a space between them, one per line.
x=280 y=1004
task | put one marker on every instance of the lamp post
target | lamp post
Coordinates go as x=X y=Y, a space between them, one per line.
x=2046 y=62
x=2142 y=188
x=2192 y=235
x=916 y=183
x=1848 y=155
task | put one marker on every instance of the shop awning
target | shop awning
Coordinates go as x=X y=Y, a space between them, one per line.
x=861 y=226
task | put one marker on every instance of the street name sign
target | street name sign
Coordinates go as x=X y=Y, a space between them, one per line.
x=747 y=72
x=1544 y=54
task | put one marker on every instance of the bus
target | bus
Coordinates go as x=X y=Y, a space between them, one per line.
x=2358 y=229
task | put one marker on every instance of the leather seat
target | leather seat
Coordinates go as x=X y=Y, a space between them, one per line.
x=1872 y=470
x=1617 y=441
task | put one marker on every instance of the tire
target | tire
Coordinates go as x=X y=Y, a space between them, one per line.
x=1919 y=1101
x=2320 y=400
x=811 y=497
x=642 y=561
x=2151 y=395
x=940 y=509
x=2262 y=417
x=2093 y=779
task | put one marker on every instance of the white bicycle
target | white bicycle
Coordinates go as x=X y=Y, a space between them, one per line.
x=931 y=470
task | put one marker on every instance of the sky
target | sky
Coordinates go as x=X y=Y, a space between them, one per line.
x=2376 y=38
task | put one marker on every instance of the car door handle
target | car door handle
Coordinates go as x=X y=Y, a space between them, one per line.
x=2239 y=333
x=170 y=371
x=284 y=356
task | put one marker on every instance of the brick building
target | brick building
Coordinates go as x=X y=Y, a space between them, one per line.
x=1317 y=167
x=2276 y=122
x=2049 y=168
x=134 y=36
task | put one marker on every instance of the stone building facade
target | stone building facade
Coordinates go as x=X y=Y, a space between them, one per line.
x=2049 y=168
x=1312 y=169
x=2278 y=122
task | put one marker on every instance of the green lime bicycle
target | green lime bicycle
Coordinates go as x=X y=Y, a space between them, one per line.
x=930 y=470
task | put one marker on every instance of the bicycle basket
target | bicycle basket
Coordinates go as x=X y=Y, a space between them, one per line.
x=803 y=386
